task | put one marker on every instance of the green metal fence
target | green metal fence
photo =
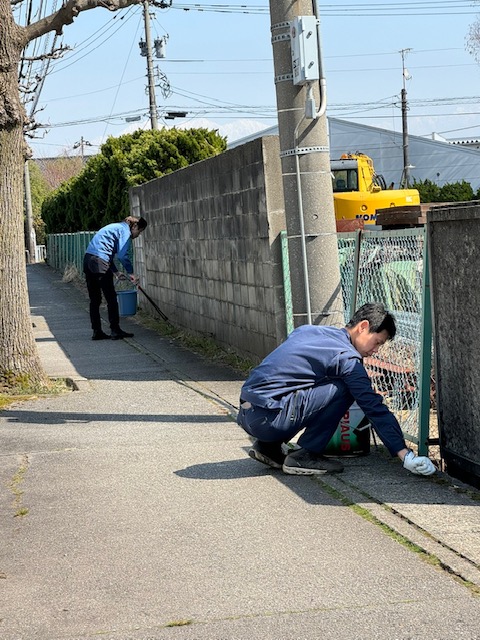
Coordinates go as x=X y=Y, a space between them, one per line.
x=66 y=249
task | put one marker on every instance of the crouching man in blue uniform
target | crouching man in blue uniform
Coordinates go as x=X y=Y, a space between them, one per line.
x=308 y=383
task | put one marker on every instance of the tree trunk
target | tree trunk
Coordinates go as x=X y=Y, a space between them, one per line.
x=19 y=360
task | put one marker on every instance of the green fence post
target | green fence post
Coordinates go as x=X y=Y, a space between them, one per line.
x=71 y=248
x=287 y=284
x=425 y=356
x=356 y=268
x=76 y=255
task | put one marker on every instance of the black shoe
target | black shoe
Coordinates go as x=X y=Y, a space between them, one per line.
x=119 y=334
x=270 y=453
x=100 y=335
x=306 y=463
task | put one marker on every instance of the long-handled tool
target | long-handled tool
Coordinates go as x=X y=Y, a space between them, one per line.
x=154 y=304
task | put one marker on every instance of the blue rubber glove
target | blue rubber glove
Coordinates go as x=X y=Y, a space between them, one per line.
x=420 y=465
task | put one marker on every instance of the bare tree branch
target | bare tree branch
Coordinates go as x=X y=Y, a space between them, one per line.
x=472 y=40
x=67 y=14
x=54 y=55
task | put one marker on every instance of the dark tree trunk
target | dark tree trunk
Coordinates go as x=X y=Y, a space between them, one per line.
x=19 y=360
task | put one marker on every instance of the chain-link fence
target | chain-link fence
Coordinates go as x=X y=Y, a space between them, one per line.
x=390 y=267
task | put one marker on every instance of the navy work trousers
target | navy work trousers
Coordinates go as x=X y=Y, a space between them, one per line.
x=99 y=278
x=317 y=410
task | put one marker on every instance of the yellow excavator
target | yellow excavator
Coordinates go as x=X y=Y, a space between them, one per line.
x=358 y=191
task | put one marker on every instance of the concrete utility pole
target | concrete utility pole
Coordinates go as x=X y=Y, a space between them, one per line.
x=30 y=241
x=307 y=184
x=30 y=237
x=406 y=162
x=151 y=80
x=82 y=143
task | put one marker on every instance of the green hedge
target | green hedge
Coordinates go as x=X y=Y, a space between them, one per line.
x=450 y=192
x=99 y=194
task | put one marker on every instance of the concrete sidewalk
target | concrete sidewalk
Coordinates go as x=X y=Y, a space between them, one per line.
x=144 y=518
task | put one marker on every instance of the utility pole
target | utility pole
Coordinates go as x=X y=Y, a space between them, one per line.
x=305 y=157
x=82 y=143
x=406 y=163
x=146 y=50
x=30 y=238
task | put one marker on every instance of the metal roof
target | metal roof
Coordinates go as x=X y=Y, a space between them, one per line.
x=438 y=161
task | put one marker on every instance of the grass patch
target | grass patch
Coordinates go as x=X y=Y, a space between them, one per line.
x=179 y=623
x=16 y=488
x=200 y=345
x=6 y=399
x=471 y=492
x=19 y=392
x=366 y=515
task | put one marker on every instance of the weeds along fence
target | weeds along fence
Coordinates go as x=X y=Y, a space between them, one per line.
x=381 y=266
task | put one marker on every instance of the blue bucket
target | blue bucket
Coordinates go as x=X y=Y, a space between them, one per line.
x=127 y=302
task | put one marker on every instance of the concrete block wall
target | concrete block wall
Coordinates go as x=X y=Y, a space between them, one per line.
x=211 y=254
x=454 y=238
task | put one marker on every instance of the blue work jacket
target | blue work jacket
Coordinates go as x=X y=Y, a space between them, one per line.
x=110 y=242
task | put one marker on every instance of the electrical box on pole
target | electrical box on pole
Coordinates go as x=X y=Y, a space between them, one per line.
x=143 y=48
x=304 y=45
x=160 y=46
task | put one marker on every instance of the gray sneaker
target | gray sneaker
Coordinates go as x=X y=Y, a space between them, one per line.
x=306 y=463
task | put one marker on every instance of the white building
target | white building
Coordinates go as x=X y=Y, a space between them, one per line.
x=436 y=160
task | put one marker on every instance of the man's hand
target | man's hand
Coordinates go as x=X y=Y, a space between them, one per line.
x=133 y=278
x=420 y=465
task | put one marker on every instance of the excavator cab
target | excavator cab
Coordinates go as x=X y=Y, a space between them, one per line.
x=358 y=191
x=345 y=180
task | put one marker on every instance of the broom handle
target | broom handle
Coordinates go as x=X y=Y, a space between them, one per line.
x=154 y=304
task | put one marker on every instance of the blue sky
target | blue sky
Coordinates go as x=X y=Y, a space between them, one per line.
x=219 y=69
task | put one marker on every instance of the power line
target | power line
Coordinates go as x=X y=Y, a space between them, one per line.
x=475 y=126
x=225 y=112
x=223 y=8
x=68 y=61
x=366 y=70
x=440 y=7
x=123 y=73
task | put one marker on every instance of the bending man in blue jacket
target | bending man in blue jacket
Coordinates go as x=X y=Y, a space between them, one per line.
x=112 y=241
x=308 y=383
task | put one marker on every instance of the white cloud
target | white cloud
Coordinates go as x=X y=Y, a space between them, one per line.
x=242 y=128
x=234 y=130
